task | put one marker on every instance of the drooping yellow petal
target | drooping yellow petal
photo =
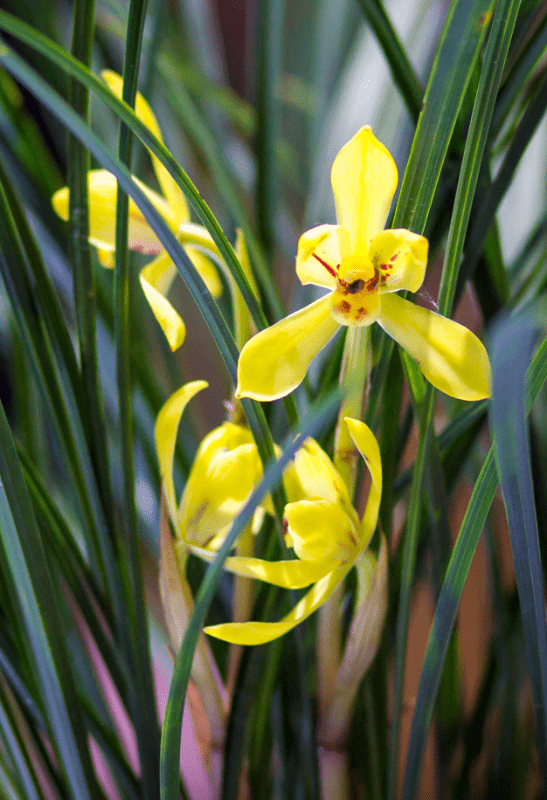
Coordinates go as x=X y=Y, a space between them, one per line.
x=452 y=358
x=106 y=258
x=367 y=445
x=364 y=180
x=173 y=194
x=156 y=278
x=253 y=633
x=320 y=530
x=320 y=253
x=165 y=430
x=286 y=574
x=275 y=361
x=400 y=257
x=103 y=192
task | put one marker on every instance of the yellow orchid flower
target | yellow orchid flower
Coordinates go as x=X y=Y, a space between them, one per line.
x=363 y=266
x=156 y=278
x=225 y=471
x=325 y=533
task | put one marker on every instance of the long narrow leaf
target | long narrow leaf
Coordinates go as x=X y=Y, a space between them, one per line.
x=512 y=345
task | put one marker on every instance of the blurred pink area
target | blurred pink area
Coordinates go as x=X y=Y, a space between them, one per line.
x=194 y=774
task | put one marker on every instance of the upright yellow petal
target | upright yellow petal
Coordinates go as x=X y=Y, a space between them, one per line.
x=173 y=194
x=318 y=476
x=275 y=361
x=103 y=193
x=400 y=257
x=253 y=633
x=166 y=429
x=364 y=180
x=449 y=355
x=320 y=253
x=367 y=445
x=156 y=278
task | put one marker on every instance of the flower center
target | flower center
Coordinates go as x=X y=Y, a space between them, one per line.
x=355 y=300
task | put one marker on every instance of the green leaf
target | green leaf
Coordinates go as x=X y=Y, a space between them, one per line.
x=454 y=63
x=512 y=344
x=400 y=65
x=449 y=599
x=25 y=571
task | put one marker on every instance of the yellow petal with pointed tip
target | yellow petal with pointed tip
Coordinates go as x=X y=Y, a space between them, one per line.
x=452 y=358
x=400 y=257
x=253 y=633
x=165 y=431
x=154 y=280
x=275 y=361
x=173 y=193
x=286 y=574
x=367 y=445
x=320 y=253
x=364 y=180
x=103 y=193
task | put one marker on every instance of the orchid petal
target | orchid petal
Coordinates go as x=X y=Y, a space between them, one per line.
x=165 y=430
x=317 y=474
x=400 y=257
x=103 y=193
x=367 y=445
x=275 y=361
x=320 y=253
x=172 y=191
x=364 y=180
x=253 y=633
x=206 y=269
x=452 y=358
x=286 y=574
x=156 y=279
x=225 y=472
x=320 y=530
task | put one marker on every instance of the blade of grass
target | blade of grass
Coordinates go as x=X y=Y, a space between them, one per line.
x=59 y=402
x=456 y=574
x=512 y=344
x=171 y=732
x=269 y=56
x=535 y=111
x=141 y=688
x=496 y=52
x=25 y=569
x=78 y=162
x=401 y=68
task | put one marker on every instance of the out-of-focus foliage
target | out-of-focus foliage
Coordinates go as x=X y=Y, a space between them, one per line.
x=254 y=101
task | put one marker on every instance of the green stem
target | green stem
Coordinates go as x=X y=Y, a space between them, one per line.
x=353 y=377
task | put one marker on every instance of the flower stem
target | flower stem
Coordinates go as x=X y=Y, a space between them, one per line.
x=353 y=377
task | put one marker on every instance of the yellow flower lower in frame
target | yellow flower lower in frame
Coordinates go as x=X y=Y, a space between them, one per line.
x=157 y=277
x=326 y=534
x=225 y=471
x=363 y=266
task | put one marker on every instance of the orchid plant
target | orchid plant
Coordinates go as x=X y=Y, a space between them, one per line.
x=236 y=566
